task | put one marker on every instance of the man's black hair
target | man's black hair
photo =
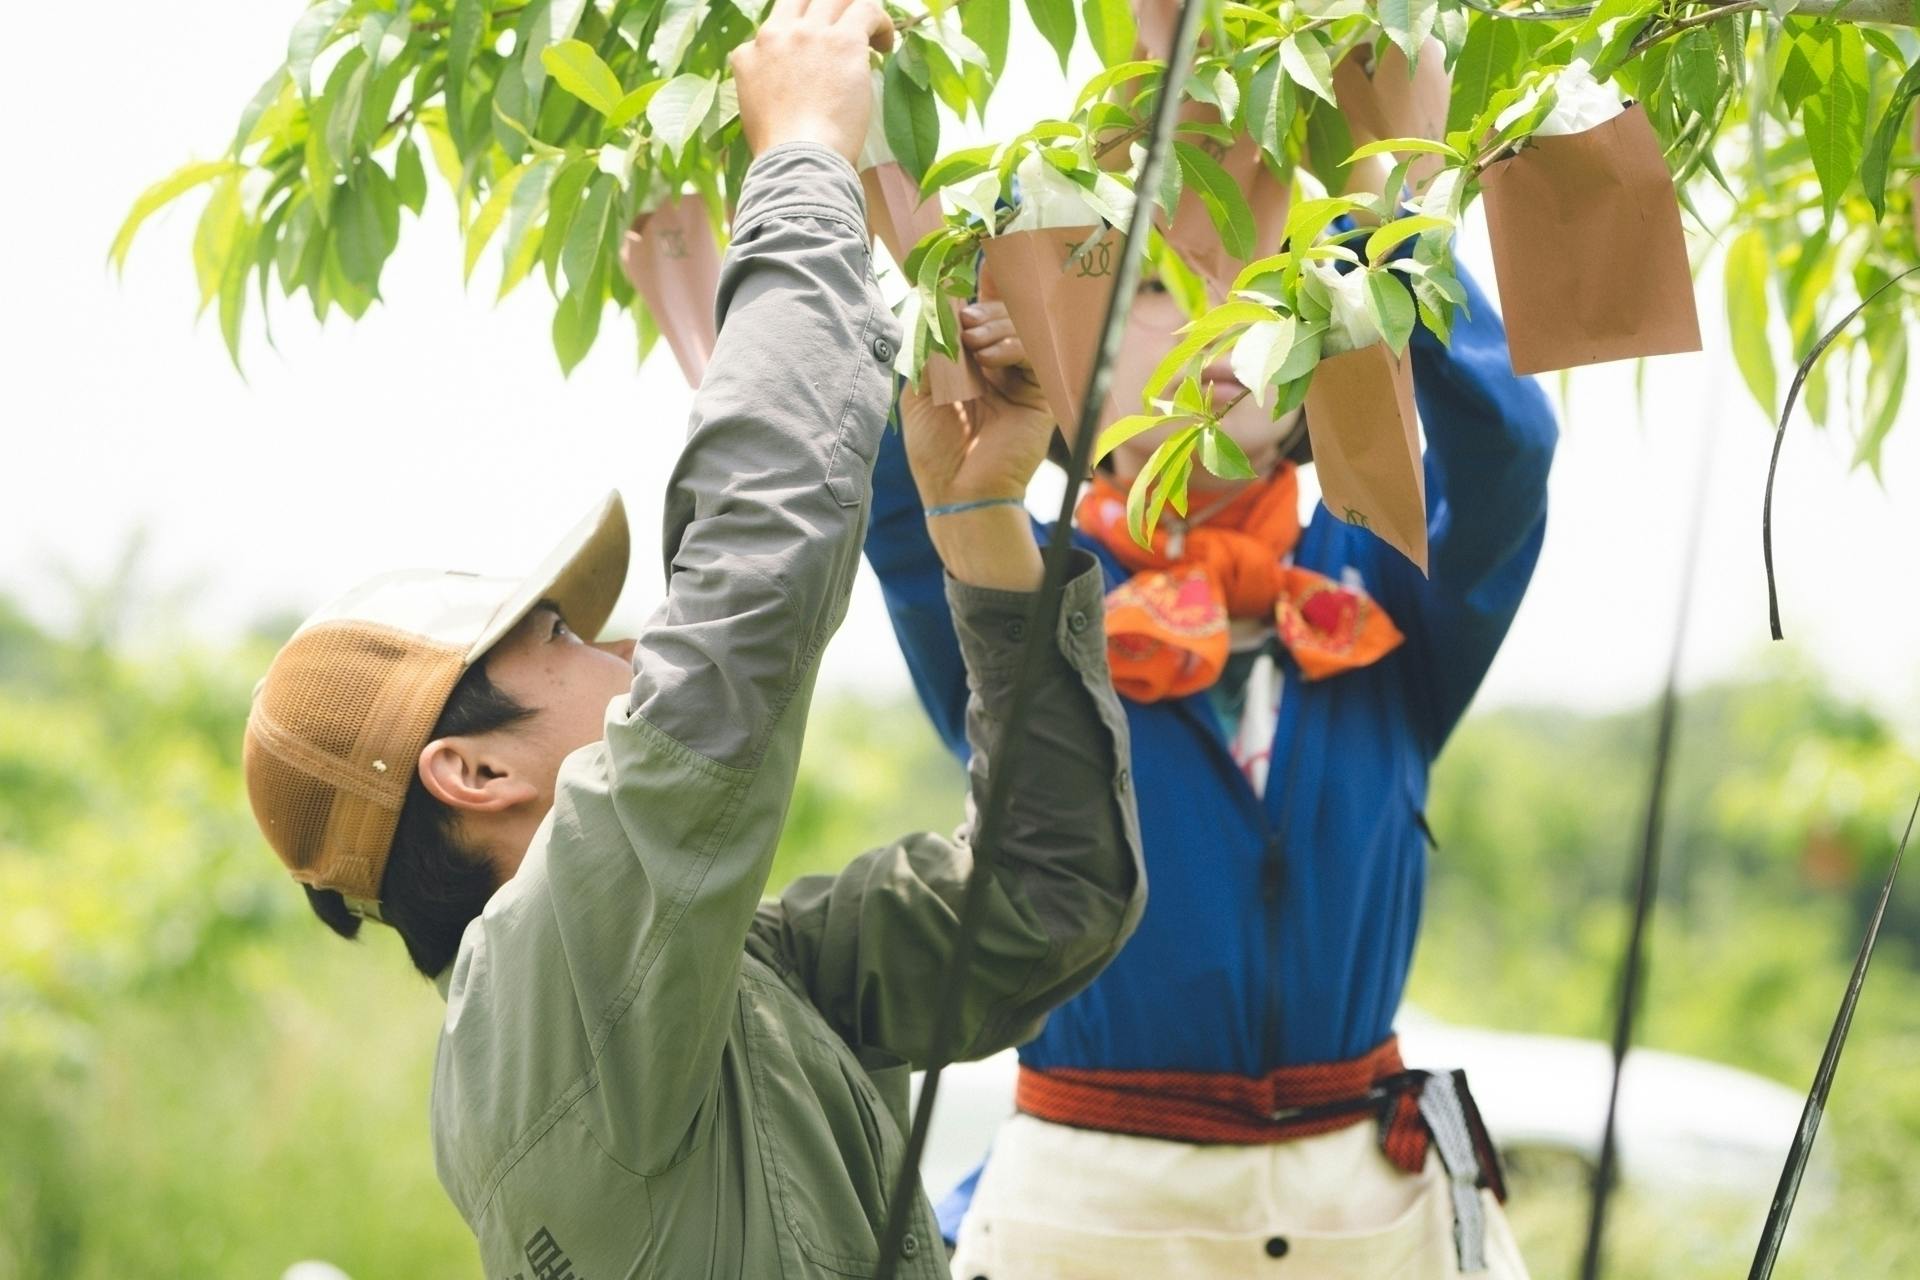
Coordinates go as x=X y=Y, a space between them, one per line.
x=433 y=886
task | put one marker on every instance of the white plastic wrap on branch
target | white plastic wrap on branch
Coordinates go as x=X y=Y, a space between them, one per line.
x=1350 y=326
x=1580 y=103
x=1048 y=198
x=875 y=151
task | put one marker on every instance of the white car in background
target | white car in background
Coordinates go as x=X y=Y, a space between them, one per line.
x=1685 y=1125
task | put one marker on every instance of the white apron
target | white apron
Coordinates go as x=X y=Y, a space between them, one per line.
x=1057 y=1203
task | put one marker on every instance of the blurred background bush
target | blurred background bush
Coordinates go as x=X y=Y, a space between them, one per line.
x=198 y=1080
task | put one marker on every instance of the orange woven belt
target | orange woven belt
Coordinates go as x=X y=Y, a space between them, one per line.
x=1205 y=1107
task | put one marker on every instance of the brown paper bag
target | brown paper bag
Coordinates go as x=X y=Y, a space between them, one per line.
x=671 y=260
x=897 y=214
x=1366 y=446
x=1587 y=249
x=1057 y=304
x=1381 y=98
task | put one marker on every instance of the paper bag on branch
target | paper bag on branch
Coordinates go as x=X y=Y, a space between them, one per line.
x=671 y=260
x=1588 y=253
x=1366 y=439
x=901 y=219
x=1383 y=98
x=1191 y=233
x=1057 y=299
x=1366 y=446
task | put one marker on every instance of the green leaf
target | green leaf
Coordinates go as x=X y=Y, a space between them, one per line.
x=546 y=23
x=679 y=20
x=1694 y=71
x=988 y=23
x=1389 y=236
x=1491 y=55
x=1259 y=353
x=578 y=69
x=576 y=323
x=1835 y=117
x=563 y=199
x=1263 y=120
x=529 y=195
x=311 y=33
x=384 y=36
x=1408 y=23
x=1393 y=146
x=1053 y=19
x=587 y=236
x=1118 y=433
x=910 y=119
x=1200 y=335
x=346 y=96
x=1886 y=386
x=1328 y=138
x=1391 y=307
x=490 y=215
x=1799 y=78
x=1146 y=499
x=1226 y=204
x=957 y=166
x=410 y=175
x=1873 y=166
x=1110 y=29
x=1746 y=279
x=463 y=40
x=1304 y=58
x=170 y=188
x=678 y=108
x=628 y=109
x=1220 y=455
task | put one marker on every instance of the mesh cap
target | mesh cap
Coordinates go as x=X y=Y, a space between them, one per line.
x=340 y=719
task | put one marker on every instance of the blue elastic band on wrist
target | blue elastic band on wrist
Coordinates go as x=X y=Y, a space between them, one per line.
x=955 y=508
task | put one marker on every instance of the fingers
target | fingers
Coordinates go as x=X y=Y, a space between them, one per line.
x=869 y=17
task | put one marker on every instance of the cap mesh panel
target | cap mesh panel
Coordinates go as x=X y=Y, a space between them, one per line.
x=336 y=727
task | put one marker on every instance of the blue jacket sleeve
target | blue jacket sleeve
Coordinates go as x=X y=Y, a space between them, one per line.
x=914 y=583
x=1490 y=442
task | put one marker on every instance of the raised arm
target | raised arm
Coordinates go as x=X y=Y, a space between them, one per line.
x=869 y=945
x=1490 y=442
x=661 y=843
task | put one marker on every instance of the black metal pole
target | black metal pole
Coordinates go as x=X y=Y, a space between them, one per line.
x=1801 y=1150
x=1646 y=881
x=1043 y=615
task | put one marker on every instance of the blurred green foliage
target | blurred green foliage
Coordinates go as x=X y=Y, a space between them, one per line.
x=196 y=1079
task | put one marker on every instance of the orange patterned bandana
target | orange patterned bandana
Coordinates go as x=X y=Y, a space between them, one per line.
x=1167 y=625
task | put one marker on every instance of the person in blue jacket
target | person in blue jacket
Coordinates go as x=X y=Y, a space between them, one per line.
x=1202 y=1108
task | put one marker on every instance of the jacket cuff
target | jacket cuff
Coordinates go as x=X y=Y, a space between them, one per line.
x=800 y=179
x=992 y=625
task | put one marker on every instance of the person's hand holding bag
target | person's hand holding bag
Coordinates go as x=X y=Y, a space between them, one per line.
x=980 y=457
x=803 y=77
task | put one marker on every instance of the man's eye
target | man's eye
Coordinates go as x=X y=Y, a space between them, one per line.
x=559 y=628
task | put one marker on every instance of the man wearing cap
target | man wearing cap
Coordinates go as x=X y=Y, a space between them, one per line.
x=645 y=1070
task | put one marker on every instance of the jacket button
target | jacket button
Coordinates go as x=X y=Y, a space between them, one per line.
x=1077 y=621
x=1017 y=630
x=1122 y=782
x=1277 y=1247
x=910 y=1246
x=882 y=350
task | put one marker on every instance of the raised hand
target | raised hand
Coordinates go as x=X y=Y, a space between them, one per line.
x=803 y=77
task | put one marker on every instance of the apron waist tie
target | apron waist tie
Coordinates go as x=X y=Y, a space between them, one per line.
x=1414 y=1109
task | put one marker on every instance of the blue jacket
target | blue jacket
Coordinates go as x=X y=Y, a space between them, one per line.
x=1279 y=931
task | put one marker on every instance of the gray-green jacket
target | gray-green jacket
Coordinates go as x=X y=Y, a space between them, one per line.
x=645 y=1069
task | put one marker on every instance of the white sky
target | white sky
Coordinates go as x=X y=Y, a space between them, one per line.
x=438 y=430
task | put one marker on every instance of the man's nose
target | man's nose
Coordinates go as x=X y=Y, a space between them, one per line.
x=623 y=649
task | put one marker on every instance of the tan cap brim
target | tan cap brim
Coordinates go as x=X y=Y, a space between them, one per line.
x=582 y=577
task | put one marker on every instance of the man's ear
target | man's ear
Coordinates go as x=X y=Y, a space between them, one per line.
x=460 y=774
